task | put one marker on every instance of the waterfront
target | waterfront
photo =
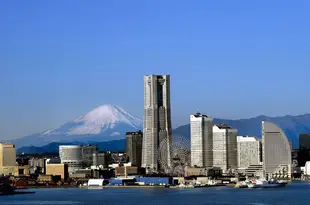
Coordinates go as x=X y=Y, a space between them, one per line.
x=296 y=193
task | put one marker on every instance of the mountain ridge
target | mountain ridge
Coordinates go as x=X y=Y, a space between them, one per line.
x=291 y=125
x=104 y=123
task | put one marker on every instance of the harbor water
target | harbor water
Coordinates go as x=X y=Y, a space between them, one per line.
x=297 y=193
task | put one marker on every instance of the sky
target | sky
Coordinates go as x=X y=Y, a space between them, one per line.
x=229 y=59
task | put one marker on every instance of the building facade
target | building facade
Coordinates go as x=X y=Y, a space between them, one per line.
x=87 y=155
x=156 y=151
x=134 y=147
x=201 y=140
x=277 y=156
x=249 y=151
x=57 y=170
x=225 y=147
x=37 y=165
x=7 y=155
x=100 y=159
x=71 y=155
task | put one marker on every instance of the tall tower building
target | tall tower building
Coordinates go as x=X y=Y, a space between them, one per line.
x=277 y=153
x=134 y=147
x=201 y=140
x=225 y=147
x=157 y=132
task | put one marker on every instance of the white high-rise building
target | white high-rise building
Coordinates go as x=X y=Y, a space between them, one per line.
x=201 y=140
x=249 y=151
x=225 y=147
x=277 y=153
x=156 y=146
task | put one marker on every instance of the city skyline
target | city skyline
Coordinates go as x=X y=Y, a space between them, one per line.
x=58 y=65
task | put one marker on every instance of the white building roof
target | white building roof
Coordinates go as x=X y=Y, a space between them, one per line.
x=246 y=139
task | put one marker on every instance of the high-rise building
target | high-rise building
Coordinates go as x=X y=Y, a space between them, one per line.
x=156 y=151
x=277 y=156
x=304 y=141
x=249 y=151
x=100 y=159
x=225 y=147
x=134 y=147
x=201 y=140
x=87 y=154
x=7 y=155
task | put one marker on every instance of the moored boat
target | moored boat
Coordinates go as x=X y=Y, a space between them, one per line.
x=263 y=183
x=241 y=184
x=252 y=185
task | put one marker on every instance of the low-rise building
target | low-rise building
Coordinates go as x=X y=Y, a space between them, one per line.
x=14 y=170
x=57 y=170
x=195 y=171
x=126 y=171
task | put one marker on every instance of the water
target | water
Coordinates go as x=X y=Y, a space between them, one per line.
x=295 y=194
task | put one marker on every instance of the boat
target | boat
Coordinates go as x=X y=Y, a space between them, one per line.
x=186 y=186
x=201 y=185
x=212 y=182
x=263 y=183
x=241 y=184
x=252 y=185
x=283 y=182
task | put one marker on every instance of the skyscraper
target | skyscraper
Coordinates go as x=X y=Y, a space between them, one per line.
x=201 y=140
x=277 y=155
x=87 y=154
x=157 y=132
x=225 y=147
x=134 y=147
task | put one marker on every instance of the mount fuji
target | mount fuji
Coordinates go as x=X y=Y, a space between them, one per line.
x=104 y=123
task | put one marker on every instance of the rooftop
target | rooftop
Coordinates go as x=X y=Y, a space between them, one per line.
x=134 y=133
x=224 y=126
x=198 y=114
x=247 y=139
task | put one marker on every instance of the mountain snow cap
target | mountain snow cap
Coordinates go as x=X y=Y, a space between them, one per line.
x=105 y=117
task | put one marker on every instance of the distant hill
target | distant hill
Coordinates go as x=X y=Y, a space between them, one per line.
x=102 y=124
x=291 y=125
x=113 y=146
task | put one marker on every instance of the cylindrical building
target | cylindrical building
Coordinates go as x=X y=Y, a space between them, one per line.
x=71 y=155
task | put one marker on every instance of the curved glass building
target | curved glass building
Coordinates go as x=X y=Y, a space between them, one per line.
x=277 y=156
x=71 y=155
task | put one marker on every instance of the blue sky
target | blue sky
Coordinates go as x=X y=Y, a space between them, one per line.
x=230 y=59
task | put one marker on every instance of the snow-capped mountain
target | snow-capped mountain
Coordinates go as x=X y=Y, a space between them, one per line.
x=104 y=123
